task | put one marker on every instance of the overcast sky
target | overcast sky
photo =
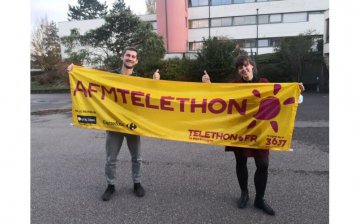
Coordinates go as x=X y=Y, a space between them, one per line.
x=56 y=10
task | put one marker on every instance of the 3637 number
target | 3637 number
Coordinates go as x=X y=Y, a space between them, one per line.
x=275 y=142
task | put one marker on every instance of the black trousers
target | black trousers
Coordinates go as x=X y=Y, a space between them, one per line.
x=261 y=173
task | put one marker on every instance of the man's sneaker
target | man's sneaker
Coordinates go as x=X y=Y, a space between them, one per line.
x=261 y=204
x=139 y=190
x=108 y=192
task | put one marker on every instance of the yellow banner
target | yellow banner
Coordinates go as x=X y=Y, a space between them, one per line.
x=258 y=115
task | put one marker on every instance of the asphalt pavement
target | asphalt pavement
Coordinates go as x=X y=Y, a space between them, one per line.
x=184 y=182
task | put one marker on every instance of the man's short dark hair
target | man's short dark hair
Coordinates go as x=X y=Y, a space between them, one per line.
x=130 y=49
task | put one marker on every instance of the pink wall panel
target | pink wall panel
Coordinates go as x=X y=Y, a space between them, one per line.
x=172 y=24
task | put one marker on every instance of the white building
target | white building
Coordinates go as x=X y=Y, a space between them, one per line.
x=326 y=38
x=245 y=21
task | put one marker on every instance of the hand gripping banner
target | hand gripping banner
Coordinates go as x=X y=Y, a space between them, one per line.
x=256 y=115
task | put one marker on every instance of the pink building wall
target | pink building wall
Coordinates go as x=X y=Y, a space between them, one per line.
x=172 y=24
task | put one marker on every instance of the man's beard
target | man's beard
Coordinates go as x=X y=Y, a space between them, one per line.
x=128 y=67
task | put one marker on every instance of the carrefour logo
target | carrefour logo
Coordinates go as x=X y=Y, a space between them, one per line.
x=131 y=126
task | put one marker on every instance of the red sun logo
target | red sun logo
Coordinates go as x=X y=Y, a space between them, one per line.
x=269 y=108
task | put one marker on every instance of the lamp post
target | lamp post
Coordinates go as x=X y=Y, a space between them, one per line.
x=257 y=32
x=209 y=2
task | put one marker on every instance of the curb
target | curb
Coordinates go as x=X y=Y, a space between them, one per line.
x=51 y=111
x=50 y=91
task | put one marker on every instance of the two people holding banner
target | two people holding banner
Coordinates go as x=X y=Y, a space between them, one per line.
x=246 y=72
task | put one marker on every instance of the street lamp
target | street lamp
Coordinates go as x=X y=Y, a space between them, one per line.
x=257 y=32
x=209 y=2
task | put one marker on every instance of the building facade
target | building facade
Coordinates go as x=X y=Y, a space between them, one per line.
x=256 y=25
x=326 y=38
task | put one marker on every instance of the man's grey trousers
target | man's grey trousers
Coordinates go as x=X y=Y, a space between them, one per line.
x=114 y=141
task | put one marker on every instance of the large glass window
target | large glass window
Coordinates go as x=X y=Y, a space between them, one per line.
x=220 y=2
x=249 y=43
x=250 y=19
x=295 y=17
x=327 y=31
x=244 y=20
x=215 y=22
x=274 y=42
x=154 y=25
x=221 y=22
x=199 y=23
x=226 y=21
x=203 y=23
x=198 y=2
x=275 y=18
x=203 y=2
x=194 y=46
x=239 y=20
x=263 y=19
x=263 y=43
x=215 y=2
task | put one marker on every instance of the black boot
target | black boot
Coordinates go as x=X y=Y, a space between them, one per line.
x=244 y=198
x=108 y=192
x=139 y=190
x=261 y=204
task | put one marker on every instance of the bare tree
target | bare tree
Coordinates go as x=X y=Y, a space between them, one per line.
x=150 y=6
x=45 y=46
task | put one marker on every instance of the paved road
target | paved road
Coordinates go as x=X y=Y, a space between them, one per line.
x=185 y=182
x=40 y=102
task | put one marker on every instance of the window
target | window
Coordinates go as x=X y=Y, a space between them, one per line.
x=198 y=3
x=215 y=22
x=203 y=2
x=275 y=18
x=220 y=2
x=250 y=19
x=244 y=20
x=221 y=22
x=198 y=23
x=263 y=19
x=327 y=31
x=203 y=23
x=215 y=2
x=316 y=12
x=274 y=42
x=295 y=17
x=226 y=21
x=243 y=1
x=154 y=25
x=249 y=43
x=263 y=43
x=239 y=21
x=194 y=46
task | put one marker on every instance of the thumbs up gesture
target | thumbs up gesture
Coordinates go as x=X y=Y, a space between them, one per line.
x=206 y=77
x=156 y=75
x=69 y=68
